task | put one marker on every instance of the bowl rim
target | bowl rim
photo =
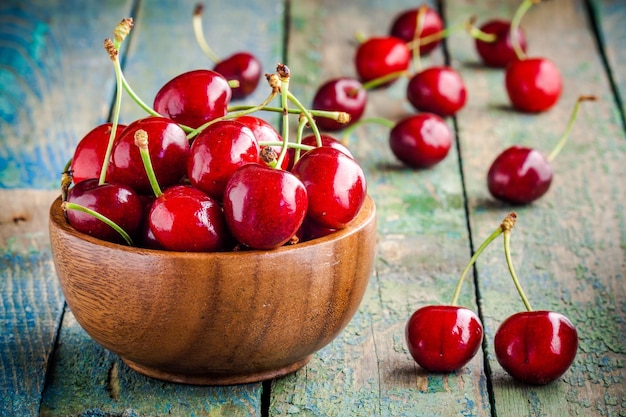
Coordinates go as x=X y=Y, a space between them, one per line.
x=366 y=214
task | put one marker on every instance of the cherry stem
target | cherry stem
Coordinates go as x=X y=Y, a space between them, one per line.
x=284 y=75
x=66 y=205
x=338 y=116
x=199 y=34
x=343 y=118
x=515 y=23
x=371 y=84
x=568 y=129
x=476 y=33
x=508 y=220
x=507 y=253
x=301 y=125
x=377 y=120
x=444 y=33
x=141 y=141
x=419 y=26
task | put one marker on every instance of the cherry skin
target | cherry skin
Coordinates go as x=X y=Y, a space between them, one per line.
x=168 y=148
x=118 y=202
x=420 y=140
x=404 y=24
x=185 y=219
x=90 y=152
x=438 y=90
x=263 y=131
x=519 y=175
x=499 y=53
x=536 y=347
x=443 y=338
x=381 y=56
x=244 y=68
x=335 y=184
x=340 y=94
x=533 y=85
x=217 y=152
x=193 y=98
x=264 y=207
x=326 y=140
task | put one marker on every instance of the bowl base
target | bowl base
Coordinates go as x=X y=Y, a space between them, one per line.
x=216 y=379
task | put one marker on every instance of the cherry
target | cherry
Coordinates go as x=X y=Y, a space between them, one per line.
x=310 y=230
x=438 y=90
x=443 y=338
x=194 y=98
x=264 y=207
x=421 y=140
x=533 y=84
x=217 y=152
x=404 y=27
x=536 y=347
x=498 y=52
x=168 y=149
x=263 y=131
x=243 y=67
x=381 y=57
x=335 y=184
x=184 y=218
x=325 y=139
x=116 y=202
x=340 y=94
x=90 y=152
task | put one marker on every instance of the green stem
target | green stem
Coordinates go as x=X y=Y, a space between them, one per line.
x=515 y=23
x=334 y=115
x=199 y=34
x=568 y=129
x=507 y=254
x=476 y=33
x=377 y=120
x=141 y=141
x=66 y=205
x=376 y=82
x=293 y=145
x=301 y=125
x=309 y=117
x=284 y=102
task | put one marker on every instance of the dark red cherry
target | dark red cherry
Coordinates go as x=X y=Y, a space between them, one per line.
x=533 y=85
x=405 y=23
x=499 y=53
x=536 y=347
x=193 y=98
x=519 y=175
x=264 y=207
x=185 y=219
x=340 y=94
x=438 y=90
x=217 y=152
x=381 y=56
x=168 y=147
x=90 y=152
x=119 y=203
x=335 y=184
x=244 y=68
x=421 y=140
x=443 y=338
x=311 y=230
x=263 y=131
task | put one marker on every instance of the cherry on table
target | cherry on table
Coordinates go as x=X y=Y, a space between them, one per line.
x=90 y=152
x=244 y=68
x=340 y=94
x=499 y=53
x=438 y=90
x=533 y=84
x=379 y=57
x=421 y=140
x=404 y=27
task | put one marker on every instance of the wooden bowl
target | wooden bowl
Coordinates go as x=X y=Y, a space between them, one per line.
x=214 y=318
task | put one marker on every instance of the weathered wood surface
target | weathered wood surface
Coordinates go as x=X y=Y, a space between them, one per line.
x=568 y=247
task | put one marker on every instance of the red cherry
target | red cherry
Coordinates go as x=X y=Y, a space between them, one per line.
x=420 y=140
x=90 y=152
x=519 y=175
x=310 y=230
x=117 y=202
x=438 y=90
x=243 y=67
x=499 y=53
x=404 y=25
x=340 y=94
x=326 y=140
x=263 y=131
x=533 y=85
x=193 y=98
x=443 y=338
x=168 y=147
x=335 y=184
x=264 y=207
x=536 y=347
x=381 y=56
x=184 y=218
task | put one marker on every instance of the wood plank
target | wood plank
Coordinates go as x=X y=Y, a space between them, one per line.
x=162 y=46
x=423 y=246
x=568 y=247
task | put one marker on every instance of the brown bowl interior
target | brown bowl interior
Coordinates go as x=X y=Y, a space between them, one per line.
x=214 y=318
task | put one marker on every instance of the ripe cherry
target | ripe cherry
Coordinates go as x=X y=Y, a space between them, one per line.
x=193 y=98
x=421 y=140
x=380 y=57
x=499 y=52
x=325 y=139
x=264 y=207
x=438 y=90
x=533 y=84
x=90 y=152
x=244 y=68
x=404 y=27
x=340 y=94
x=263 y=131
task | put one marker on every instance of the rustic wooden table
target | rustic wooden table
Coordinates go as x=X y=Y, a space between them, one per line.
x=56 y=83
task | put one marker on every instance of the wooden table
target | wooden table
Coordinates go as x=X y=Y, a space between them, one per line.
x=56 y=83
